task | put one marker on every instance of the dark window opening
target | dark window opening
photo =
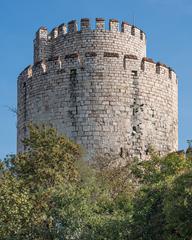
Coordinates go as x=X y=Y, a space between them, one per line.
x=170 y=74
x=141 y=35
x=134 y=73
x=73 y=74
x=133 y=31
x=143 y=66
x=158 y=69
x=121 y=152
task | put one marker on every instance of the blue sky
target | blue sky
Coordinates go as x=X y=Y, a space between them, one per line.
x=167 y=24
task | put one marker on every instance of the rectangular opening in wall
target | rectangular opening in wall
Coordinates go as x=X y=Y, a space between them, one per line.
x=141 y=35
x=121 y=152
x=133 y=30
x=73 y=74
x=170 y=74
x=158 y=69
x=134 y=73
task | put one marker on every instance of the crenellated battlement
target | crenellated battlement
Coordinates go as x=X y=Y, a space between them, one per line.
x=26 y=73
x=148 y=64
x=42 y=33
x=61 y=63
x=100 y=25
x=62 y=29
x=94 y=83
x=45 y=40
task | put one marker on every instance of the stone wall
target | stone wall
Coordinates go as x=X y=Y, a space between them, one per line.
x=98 y=87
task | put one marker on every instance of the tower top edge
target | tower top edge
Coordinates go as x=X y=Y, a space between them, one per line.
x=84 y=24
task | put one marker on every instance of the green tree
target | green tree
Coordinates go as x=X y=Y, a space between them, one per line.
x=178 y=208
x=28 y=181
x=47 y=192
x=15 y=207
x=161 y=200
x=50 y=193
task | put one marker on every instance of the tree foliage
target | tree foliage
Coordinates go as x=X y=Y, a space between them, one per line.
x=162 y=206
x=49 y=192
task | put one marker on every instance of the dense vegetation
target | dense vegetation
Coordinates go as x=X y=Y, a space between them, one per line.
x=49 y=192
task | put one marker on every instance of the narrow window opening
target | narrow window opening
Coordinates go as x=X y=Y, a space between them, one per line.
x=73 y=74
x=143 y=66
x=158 y=69
x=170 y=74
x=141 y=35
x=134 y=73
x=121 y=152
x=133 y=31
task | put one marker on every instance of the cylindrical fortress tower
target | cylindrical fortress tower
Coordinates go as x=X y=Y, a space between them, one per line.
x=99 y=88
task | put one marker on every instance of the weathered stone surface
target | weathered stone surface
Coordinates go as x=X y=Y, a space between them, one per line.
x=98 y=87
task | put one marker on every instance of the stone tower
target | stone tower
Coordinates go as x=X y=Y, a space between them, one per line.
x=98 y=87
